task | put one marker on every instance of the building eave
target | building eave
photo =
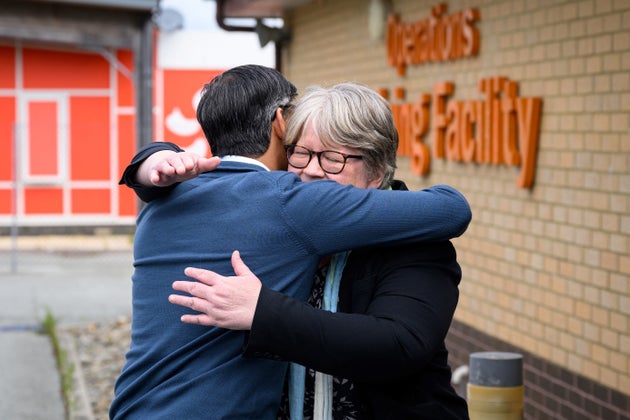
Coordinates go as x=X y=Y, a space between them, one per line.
x=260 y=8
x=133 y=5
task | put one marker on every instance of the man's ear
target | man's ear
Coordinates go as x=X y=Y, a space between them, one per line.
x=279 y=124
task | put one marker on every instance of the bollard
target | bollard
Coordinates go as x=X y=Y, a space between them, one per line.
x=495 y=386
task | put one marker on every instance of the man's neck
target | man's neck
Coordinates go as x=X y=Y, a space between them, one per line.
x=275 y=158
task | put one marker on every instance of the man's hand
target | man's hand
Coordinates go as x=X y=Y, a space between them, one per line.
x=226 y=302
x=167 y=167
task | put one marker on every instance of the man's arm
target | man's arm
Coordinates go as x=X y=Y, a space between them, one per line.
x=349 y=218
x=158 y=167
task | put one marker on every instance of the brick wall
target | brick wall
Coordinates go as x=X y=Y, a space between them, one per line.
x=546 y=269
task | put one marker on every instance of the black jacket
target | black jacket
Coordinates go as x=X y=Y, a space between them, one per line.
x=395 y=308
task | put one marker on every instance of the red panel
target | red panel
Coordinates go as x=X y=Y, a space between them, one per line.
x=90 y=201
x=43 y=201
x=89 y=138
x=6 y=201
x=7 y=119
x=64 y=70
x=128 y=203
x=43 y=140
x=126 y=150
x=180 y=117
x=7 y=67
x=125 y=85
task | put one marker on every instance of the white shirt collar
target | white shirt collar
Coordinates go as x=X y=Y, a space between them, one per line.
x=243 y=159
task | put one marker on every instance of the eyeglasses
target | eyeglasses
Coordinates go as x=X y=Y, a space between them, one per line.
x=330 y=161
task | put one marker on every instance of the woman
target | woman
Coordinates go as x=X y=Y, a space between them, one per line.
x=387 y=310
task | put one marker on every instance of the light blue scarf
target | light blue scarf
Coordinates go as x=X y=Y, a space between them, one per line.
x=297 y=373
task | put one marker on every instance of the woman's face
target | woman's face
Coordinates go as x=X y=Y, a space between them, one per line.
x=354 y=173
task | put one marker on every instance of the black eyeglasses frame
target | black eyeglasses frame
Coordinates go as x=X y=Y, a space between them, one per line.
x=291 y=148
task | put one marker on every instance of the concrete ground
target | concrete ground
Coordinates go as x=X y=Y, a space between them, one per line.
x=77 y=280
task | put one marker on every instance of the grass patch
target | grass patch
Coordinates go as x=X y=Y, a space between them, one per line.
x=66 y=369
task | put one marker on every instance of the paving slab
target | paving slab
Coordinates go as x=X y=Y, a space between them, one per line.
x=30 y=385
x=77 y=281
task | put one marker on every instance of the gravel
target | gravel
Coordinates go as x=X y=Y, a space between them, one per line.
x=97 y=351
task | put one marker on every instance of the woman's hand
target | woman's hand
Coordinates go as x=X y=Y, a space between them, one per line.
x=226 y=302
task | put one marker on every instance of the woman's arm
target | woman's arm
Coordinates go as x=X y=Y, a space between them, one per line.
x=403 y=325
x=411 y=302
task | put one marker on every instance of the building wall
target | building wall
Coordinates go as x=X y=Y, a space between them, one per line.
x=73 y=76
x=68 y=124
x=546 y=268
x=70 y=108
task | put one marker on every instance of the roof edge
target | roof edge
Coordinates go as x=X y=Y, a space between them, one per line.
x=139 y=5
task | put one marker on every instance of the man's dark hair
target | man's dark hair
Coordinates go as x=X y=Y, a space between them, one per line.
x=237 y=108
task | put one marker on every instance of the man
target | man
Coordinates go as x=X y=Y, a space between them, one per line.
x=280 y=225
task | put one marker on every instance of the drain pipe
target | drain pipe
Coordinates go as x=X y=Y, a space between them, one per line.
x=220 y=17
x=221 y=20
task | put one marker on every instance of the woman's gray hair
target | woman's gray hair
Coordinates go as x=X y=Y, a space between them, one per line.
x=351 y=115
